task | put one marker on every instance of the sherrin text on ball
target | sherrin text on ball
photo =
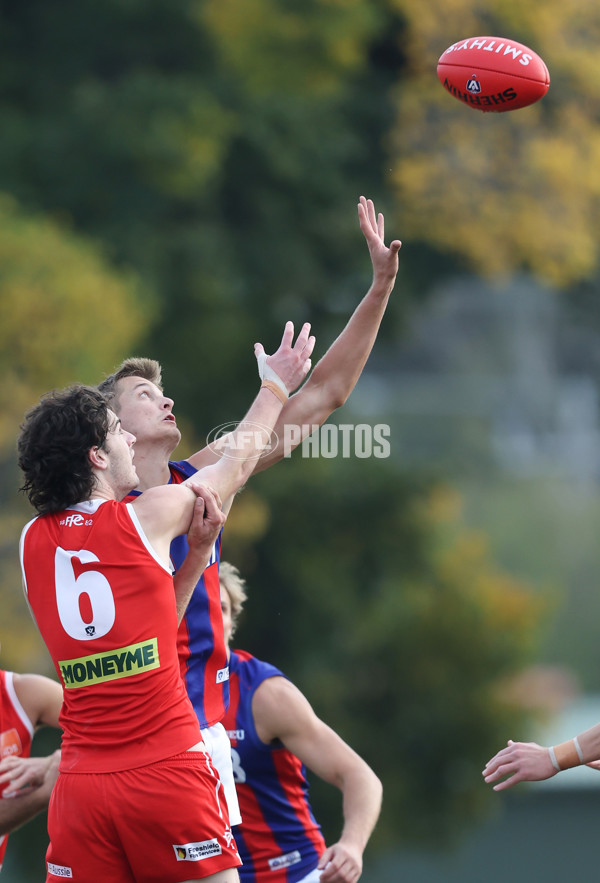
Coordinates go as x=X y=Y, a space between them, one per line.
x=493 y=74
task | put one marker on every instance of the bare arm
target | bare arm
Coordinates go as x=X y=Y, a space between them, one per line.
x=282 y=712
x=530 y=762
x=336 y=373
x=40 y=697
x=166 y=511
x=29 y=781
x=238 y=452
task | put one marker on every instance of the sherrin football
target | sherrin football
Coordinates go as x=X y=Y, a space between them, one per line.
x=493 y=73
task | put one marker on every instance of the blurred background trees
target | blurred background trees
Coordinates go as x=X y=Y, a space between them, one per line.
x=178 y=179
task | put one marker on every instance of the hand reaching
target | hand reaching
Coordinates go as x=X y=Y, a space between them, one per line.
x=384 y=259
x=521 y=762
x=291 y=362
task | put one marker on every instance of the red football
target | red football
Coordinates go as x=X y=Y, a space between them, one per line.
x=493 y=74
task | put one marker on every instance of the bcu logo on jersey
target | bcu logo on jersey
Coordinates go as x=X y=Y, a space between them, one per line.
x=195 y=852
x=284 y=861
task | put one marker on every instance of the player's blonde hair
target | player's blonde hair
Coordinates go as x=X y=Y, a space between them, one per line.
x=135 y=366
x=235 y=586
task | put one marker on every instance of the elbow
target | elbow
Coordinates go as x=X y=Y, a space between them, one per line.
x=376 y=789
x=336 y=394
x=379 y=788
x=338 y=399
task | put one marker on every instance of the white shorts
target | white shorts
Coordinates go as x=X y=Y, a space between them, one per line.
x=218 y=747
x=313 y=877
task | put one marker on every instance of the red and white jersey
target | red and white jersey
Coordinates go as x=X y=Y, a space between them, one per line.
x=105 y=606
x=16 y=731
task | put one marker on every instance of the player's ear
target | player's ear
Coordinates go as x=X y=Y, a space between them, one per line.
x=97 y=457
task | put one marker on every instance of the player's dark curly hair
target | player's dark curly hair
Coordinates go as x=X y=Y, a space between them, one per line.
x=53 y=447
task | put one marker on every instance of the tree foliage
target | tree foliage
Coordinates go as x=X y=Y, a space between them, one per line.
x=372 y=595
x=180 y=179
x=504 y=191
x=63 y=310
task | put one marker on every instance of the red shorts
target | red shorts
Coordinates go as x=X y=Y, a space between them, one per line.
x=161 y=823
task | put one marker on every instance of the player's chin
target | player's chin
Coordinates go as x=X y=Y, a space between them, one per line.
x=172 y=430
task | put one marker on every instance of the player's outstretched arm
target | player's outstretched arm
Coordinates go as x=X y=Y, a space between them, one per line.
x=530 y=762
x=282 y=712
x=240 y=450
x=166 y=511
x=519 y=762
x=335 y=375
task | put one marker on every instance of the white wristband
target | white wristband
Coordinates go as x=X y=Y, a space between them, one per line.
x=578 y=749
x=554 y=760
x=265 y=372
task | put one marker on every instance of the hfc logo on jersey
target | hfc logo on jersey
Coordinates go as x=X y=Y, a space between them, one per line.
x=473 y=85
x=75 y=520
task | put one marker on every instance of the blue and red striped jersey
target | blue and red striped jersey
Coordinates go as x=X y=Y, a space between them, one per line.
x=200 y=639
x=279 y=839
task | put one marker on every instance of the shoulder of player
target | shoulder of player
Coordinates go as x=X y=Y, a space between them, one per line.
x=163 y=495
x=279 y=708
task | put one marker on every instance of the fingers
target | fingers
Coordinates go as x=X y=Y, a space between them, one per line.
x=367 y=216
x=306 y=350
x=519 y=762
x=303 y=338
x=18 y=787
x=373 y=225
x=288 y=334
x=18 y=783
x=213 y=507
x=206 y=495
x=338 y=865
x=305 y=343
x=9 y=767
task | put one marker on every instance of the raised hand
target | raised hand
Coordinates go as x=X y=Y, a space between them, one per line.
x=291 y=361
x=383 y=258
